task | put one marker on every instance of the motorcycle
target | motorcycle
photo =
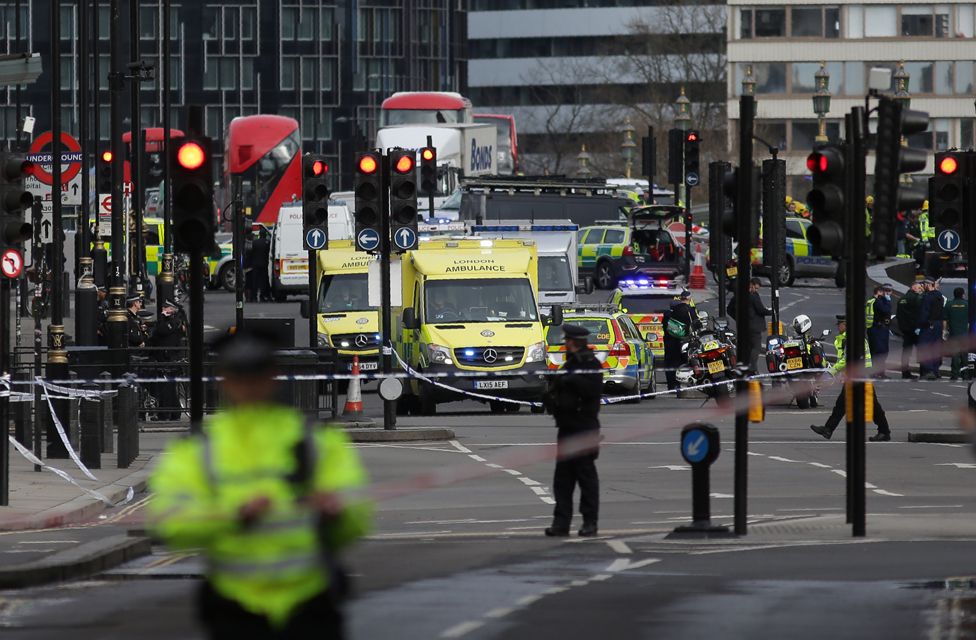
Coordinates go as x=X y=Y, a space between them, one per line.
x=711 y=359
x=801 y=359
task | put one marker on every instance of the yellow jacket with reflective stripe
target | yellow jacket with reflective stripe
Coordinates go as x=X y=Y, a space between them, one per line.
x=275 y=564
x=869 y=312
x=927 y=230
x=840 y=345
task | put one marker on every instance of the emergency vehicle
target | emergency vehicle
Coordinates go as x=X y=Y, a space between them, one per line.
x=645 y=301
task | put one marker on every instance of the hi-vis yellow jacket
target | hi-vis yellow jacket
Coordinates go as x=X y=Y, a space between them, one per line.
x=271 y=566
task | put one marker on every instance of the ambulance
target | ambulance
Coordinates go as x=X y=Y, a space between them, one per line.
x=471 y=305
x=346 y=321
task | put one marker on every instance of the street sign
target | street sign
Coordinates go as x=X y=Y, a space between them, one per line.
x=700 y=448
x=691 y=179
x=949 y=240
x=699 y=444
x=368 y=240
x=40 y=182
x=46 y=232
x=405 y=238
x=316 y=238
x=105 y=214
x=12 y=263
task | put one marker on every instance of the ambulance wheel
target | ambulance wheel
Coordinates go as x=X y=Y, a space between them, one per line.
x=539 y=409
x=603 y=276
x=814 y=400
x=227 y=277
x=405 y=405
x=426 y=405
x=803 y=402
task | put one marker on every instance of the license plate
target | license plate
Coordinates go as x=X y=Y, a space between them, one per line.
x=732 y=272
x=716 y=367
x=794 y=363
x=367 y=366
x=491 y=384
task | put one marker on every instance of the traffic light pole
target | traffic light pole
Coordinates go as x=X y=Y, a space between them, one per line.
x=4 y=398
x=98 y=253
x=386 y=312
x=116 y=277
x=238 y=253
x=166 y=281
x=86 y=296
x=687 y=233
x=744 y=215
x=137 y=148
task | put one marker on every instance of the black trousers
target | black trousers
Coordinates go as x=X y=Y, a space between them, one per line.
x=840 y=409
x=756 y=346
x=315 y=619
x=570 y=472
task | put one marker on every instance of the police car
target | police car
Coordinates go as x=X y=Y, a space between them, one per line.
x=645 y=300
x=627 y=361
x=801 y=259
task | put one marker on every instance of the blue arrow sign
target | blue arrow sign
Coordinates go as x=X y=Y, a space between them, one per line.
x=691 y=179
x=694 y=446
x=315 y=238
x=405 y=238
x=368 y=240
x=949 y=240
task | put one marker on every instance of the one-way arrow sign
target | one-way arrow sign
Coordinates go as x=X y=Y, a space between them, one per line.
x=316 y=238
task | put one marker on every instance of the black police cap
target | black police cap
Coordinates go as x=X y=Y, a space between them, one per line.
x=575 y=331
x=132 y=300
x=841 y=318
x=247 y=352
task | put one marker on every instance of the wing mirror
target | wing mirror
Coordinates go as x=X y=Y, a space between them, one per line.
x=409 y=319
x=556 y=315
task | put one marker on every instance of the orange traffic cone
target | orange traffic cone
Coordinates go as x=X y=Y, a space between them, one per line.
x=697 y=278
x=354 y=395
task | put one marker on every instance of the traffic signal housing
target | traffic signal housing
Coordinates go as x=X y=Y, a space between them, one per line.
x=368 y=190
x=14 y=199
x=774 y=216
x=892 y=160
x=428 y=172
x=103 y=172
x=730 y=190
x=403 y=199
x=947 y=193
x=692 y=140
x=194 y=222
x=826 y=198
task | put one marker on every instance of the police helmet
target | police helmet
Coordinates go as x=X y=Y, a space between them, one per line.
x=802 y=324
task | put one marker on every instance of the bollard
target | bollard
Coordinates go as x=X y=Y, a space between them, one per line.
x=108 y=415
x=73 y=407
x=22 y=411
x=700 y=448
x=91 y=430
x=127 y=402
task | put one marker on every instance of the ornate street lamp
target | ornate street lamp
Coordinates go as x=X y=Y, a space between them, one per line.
x=583 y=160
x=821 y=102
x=904 y=98
x=749 y=83
x=628 y=145
x=683 y=118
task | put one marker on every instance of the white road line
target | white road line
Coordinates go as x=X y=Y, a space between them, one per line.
x=673 y=467
x=478 y=458
x=529 y=482
x=840 y=472
x=721 y=495
x=499 y=612
x=944 y=395
x=539 y=491
x=958 y=465
x=625 y=564
x=512 y=472
x=619 y=546
x=460 y=447
x=48 y=542
x=551 y=591
x=933 y=506
x=493 y=465
x=819 y=464
x=882 y=492
x=529 y=599
x=463 y=629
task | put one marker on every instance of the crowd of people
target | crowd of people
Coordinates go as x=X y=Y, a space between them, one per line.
x=925 y=318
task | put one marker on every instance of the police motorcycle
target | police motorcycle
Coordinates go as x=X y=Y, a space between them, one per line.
x=711 y=359
x=795 y=357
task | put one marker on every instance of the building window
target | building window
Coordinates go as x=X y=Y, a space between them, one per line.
x=231 y=17
x=214 y=122
x=328 y=72
x=804 y=133
x=806 y=22
x=306 y=25
x=853 y=79
x=247 y=73
x=770 y=76
x=289 y=71
x=854 y=24
x=770 y=23
x=104 y=22
x=803 y=77
x=964 y=21
x=921 y=76
x=832 y=22
x=772 y=132
x=309 y=71
x=148 y=22
x=289 y=23
x=879 y=22
x=916 y=20
x=326 y=20
x=211 y=24
x=966 y=138
x=964 y=77
x=745 y=24
x=940 y=127
x=248 y=21
x=67 y=73
x=228 y=73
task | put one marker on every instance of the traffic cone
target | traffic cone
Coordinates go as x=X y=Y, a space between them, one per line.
x=354 y=395
x=697 y=278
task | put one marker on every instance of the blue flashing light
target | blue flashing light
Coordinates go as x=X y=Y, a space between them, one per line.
x=469 y=353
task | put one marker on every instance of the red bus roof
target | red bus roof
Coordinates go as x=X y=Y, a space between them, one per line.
x=261 y=132
x=153 y=134
x=426 y=100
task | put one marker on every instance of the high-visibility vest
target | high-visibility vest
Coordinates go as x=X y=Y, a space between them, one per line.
x=869 y=312
x=840 y=345
x=928 y=231
x=273 y=565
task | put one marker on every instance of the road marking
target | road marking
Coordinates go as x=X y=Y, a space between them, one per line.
x=840 y=472
x=819 y=464
x=626 y=564
x=463 y=629
x=619 y=546
x=48 y=542
x=780 y=459
x=944 y=395
x=499 y=612
x=513 y=472
x=721 y=495
x=536 y=487
x=493 y=465
x=673 y=467
x=460 y=447
x=958 y=465
x=529 y=482
x=478 y=458
x=529 y=599
x=551 y=591
x=882 y=492
x=933 y=506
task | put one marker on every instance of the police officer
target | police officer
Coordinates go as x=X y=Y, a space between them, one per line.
x=906 y=313
x=930 y=329
x=573 y=398
x=167 y=337
x=878 y=317
x=679 y=321
x=956 y=315
x=136 y=327
x=263 y=492
x=880 y=419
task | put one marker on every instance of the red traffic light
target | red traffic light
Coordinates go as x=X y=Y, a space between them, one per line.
x=427 y=154
x=367 y=164
x=191 y=156
x=817 y=162
x=692 y=137
x=319 y=167
x=404 y=165
x=948 y=165
x=106 y=156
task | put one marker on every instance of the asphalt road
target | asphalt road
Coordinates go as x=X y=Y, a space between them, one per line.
x=466 y=559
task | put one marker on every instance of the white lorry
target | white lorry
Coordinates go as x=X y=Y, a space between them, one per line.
x=463 y=149
x=555 y=242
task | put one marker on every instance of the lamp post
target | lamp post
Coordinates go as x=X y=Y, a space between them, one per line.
x=627 y=146
x=904 y=98
x=749 y=83
x=683 y=117
x=583 y=160
x=821 y=102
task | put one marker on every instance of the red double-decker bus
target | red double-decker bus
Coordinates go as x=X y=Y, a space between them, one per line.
x=152 y=156
x=264 y=153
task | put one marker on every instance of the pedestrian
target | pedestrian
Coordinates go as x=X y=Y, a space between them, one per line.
x=956 y=315
x=573 y=398
x=136 y=327
x=679 y=322
x=756 y=313
x=840 y=407
x=906 y=313
x=250 y=293
x=260 y=256
x=930 y=330
x=167 y=337
x=263 y=492
x=878 y=318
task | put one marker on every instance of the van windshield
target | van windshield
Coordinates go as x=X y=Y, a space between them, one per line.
x=480 y=300
x=344 y=292
x=646 y=304
x=555 y=274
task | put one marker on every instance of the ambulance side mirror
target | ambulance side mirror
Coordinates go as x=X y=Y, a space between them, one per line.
x=409 y=319
x=556 y=316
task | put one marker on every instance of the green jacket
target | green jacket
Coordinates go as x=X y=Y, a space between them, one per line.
x=271 y=566
x=957 y=316
x=840 y=345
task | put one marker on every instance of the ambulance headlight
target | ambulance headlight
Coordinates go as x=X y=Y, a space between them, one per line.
x=438 y=354
x=323 y=340
x=536 y=352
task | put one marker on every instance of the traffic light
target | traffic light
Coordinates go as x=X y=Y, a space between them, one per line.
x=676 y=144
x=14 y=199
x=315 y=199
x=368 y=190
x=403 y=199
x=730 y=190
x=428 y=172
x=719 y=245
x=947 y=192
x=774 y=216
x=193 y=199
x=103 y=167
x=892 y=160
x=692 y=172
x=826 y=198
